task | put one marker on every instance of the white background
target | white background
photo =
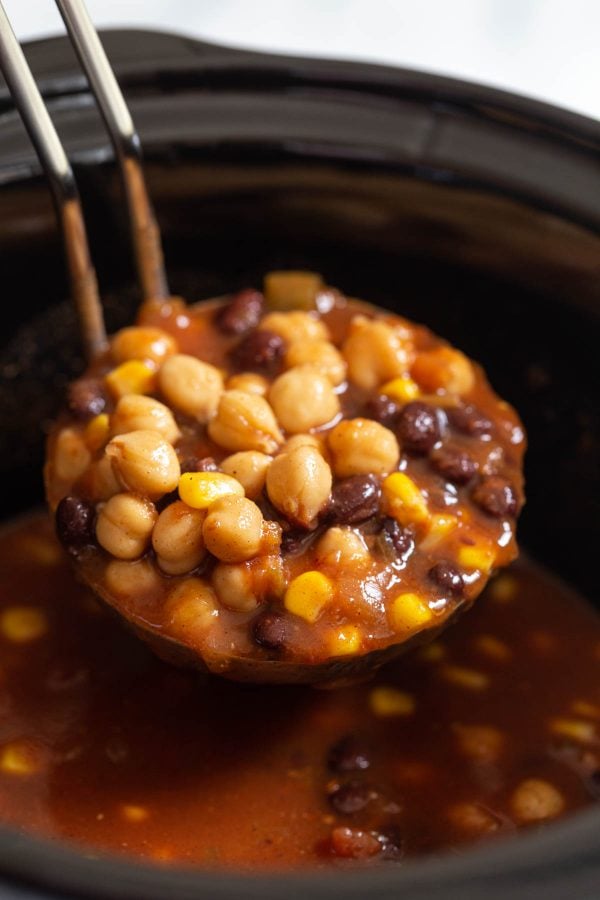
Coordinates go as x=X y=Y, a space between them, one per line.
x=549 y=49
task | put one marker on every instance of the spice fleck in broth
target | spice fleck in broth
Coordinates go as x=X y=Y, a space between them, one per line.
x=475 y=736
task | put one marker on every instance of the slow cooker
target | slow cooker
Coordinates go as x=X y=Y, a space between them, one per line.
x=471 y=209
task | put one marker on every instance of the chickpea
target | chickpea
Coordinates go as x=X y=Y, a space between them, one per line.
x=177 y=538
x=191 y=608
x=125 y=579
x=233 y=529
x=70 y=456
x=191 y=386
x=135 y=412
x=483 y=743
x=375 y=352
x=144 y=462
x=445 y=368
x=249 y=382
x=303 y=440
x=125 y=525
x=535 y=800
x=303 y=398
x=245 y=422
x=234 y=586
x=100 y=481
x=295 y=326
x=299 y=484
x=341 y=546
x=144 y=343
x=250 y=469
x=320 y=354
x=470 y=817
x=362 y=447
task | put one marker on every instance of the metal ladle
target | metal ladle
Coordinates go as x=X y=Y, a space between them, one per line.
x=146 y=243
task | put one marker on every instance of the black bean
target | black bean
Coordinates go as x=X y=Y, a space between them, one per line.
x=469 y=420
x=384 y=410
x=419 y=427
x=350 y=798
x=496 y=497
x=592 y=783
x=86 y=398
x=297 y=540
x=348 y=755
x=242 y=313
x=167 y=499
x=394 y=541
x=261 y=351
x=448 y=577
x=454 y=464
x=354 y=499
x=270 y=630
x=198 y=464
x=392 y=845
x=75 y=523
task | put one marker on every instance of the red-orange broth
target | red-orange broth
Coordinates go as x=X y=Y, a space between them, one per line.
x=493 y=728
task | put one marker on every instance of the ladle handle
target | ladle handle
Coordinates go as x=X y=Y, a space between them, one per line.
x=37 y=121
x=144 y=230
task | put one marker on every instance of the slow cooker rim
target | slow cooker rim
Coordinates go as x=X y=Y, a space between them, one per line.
x=465 y=111
x=185 y=53
x=62 y=867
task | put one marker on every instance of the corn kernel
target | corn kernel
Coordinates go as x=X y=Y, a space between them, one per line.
x=292 y=290
x=97 y=432
x=575 y=729
x=404 y=500
x=492 y=647
x=41 y=550
x=388 y=701
x=345 y=641
x=403 y=389
x=504 y=588
x=18 y=758
x=133 y=377
x=440 y=526
x=308 y=594
x=585 y=708
x=134 y=813
x=432 y=653
x=476 y=556
x=409 y=612
x=200 y=489
x=467 y=678
x=22 y=624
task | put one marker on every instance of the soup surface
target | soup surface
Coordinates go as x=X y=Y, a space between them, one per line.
x=494 y=728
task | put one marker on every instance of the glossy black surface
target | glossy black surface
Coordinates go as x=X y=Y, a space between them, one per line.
x=466 y=208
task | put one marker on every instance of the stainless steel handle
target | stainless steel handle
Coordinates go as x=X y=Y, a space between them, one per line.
x=37 y=121
x=145 y=234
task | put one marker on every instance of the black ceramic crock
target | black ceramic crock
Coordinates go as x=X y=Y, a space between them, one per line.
x=475 y=211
